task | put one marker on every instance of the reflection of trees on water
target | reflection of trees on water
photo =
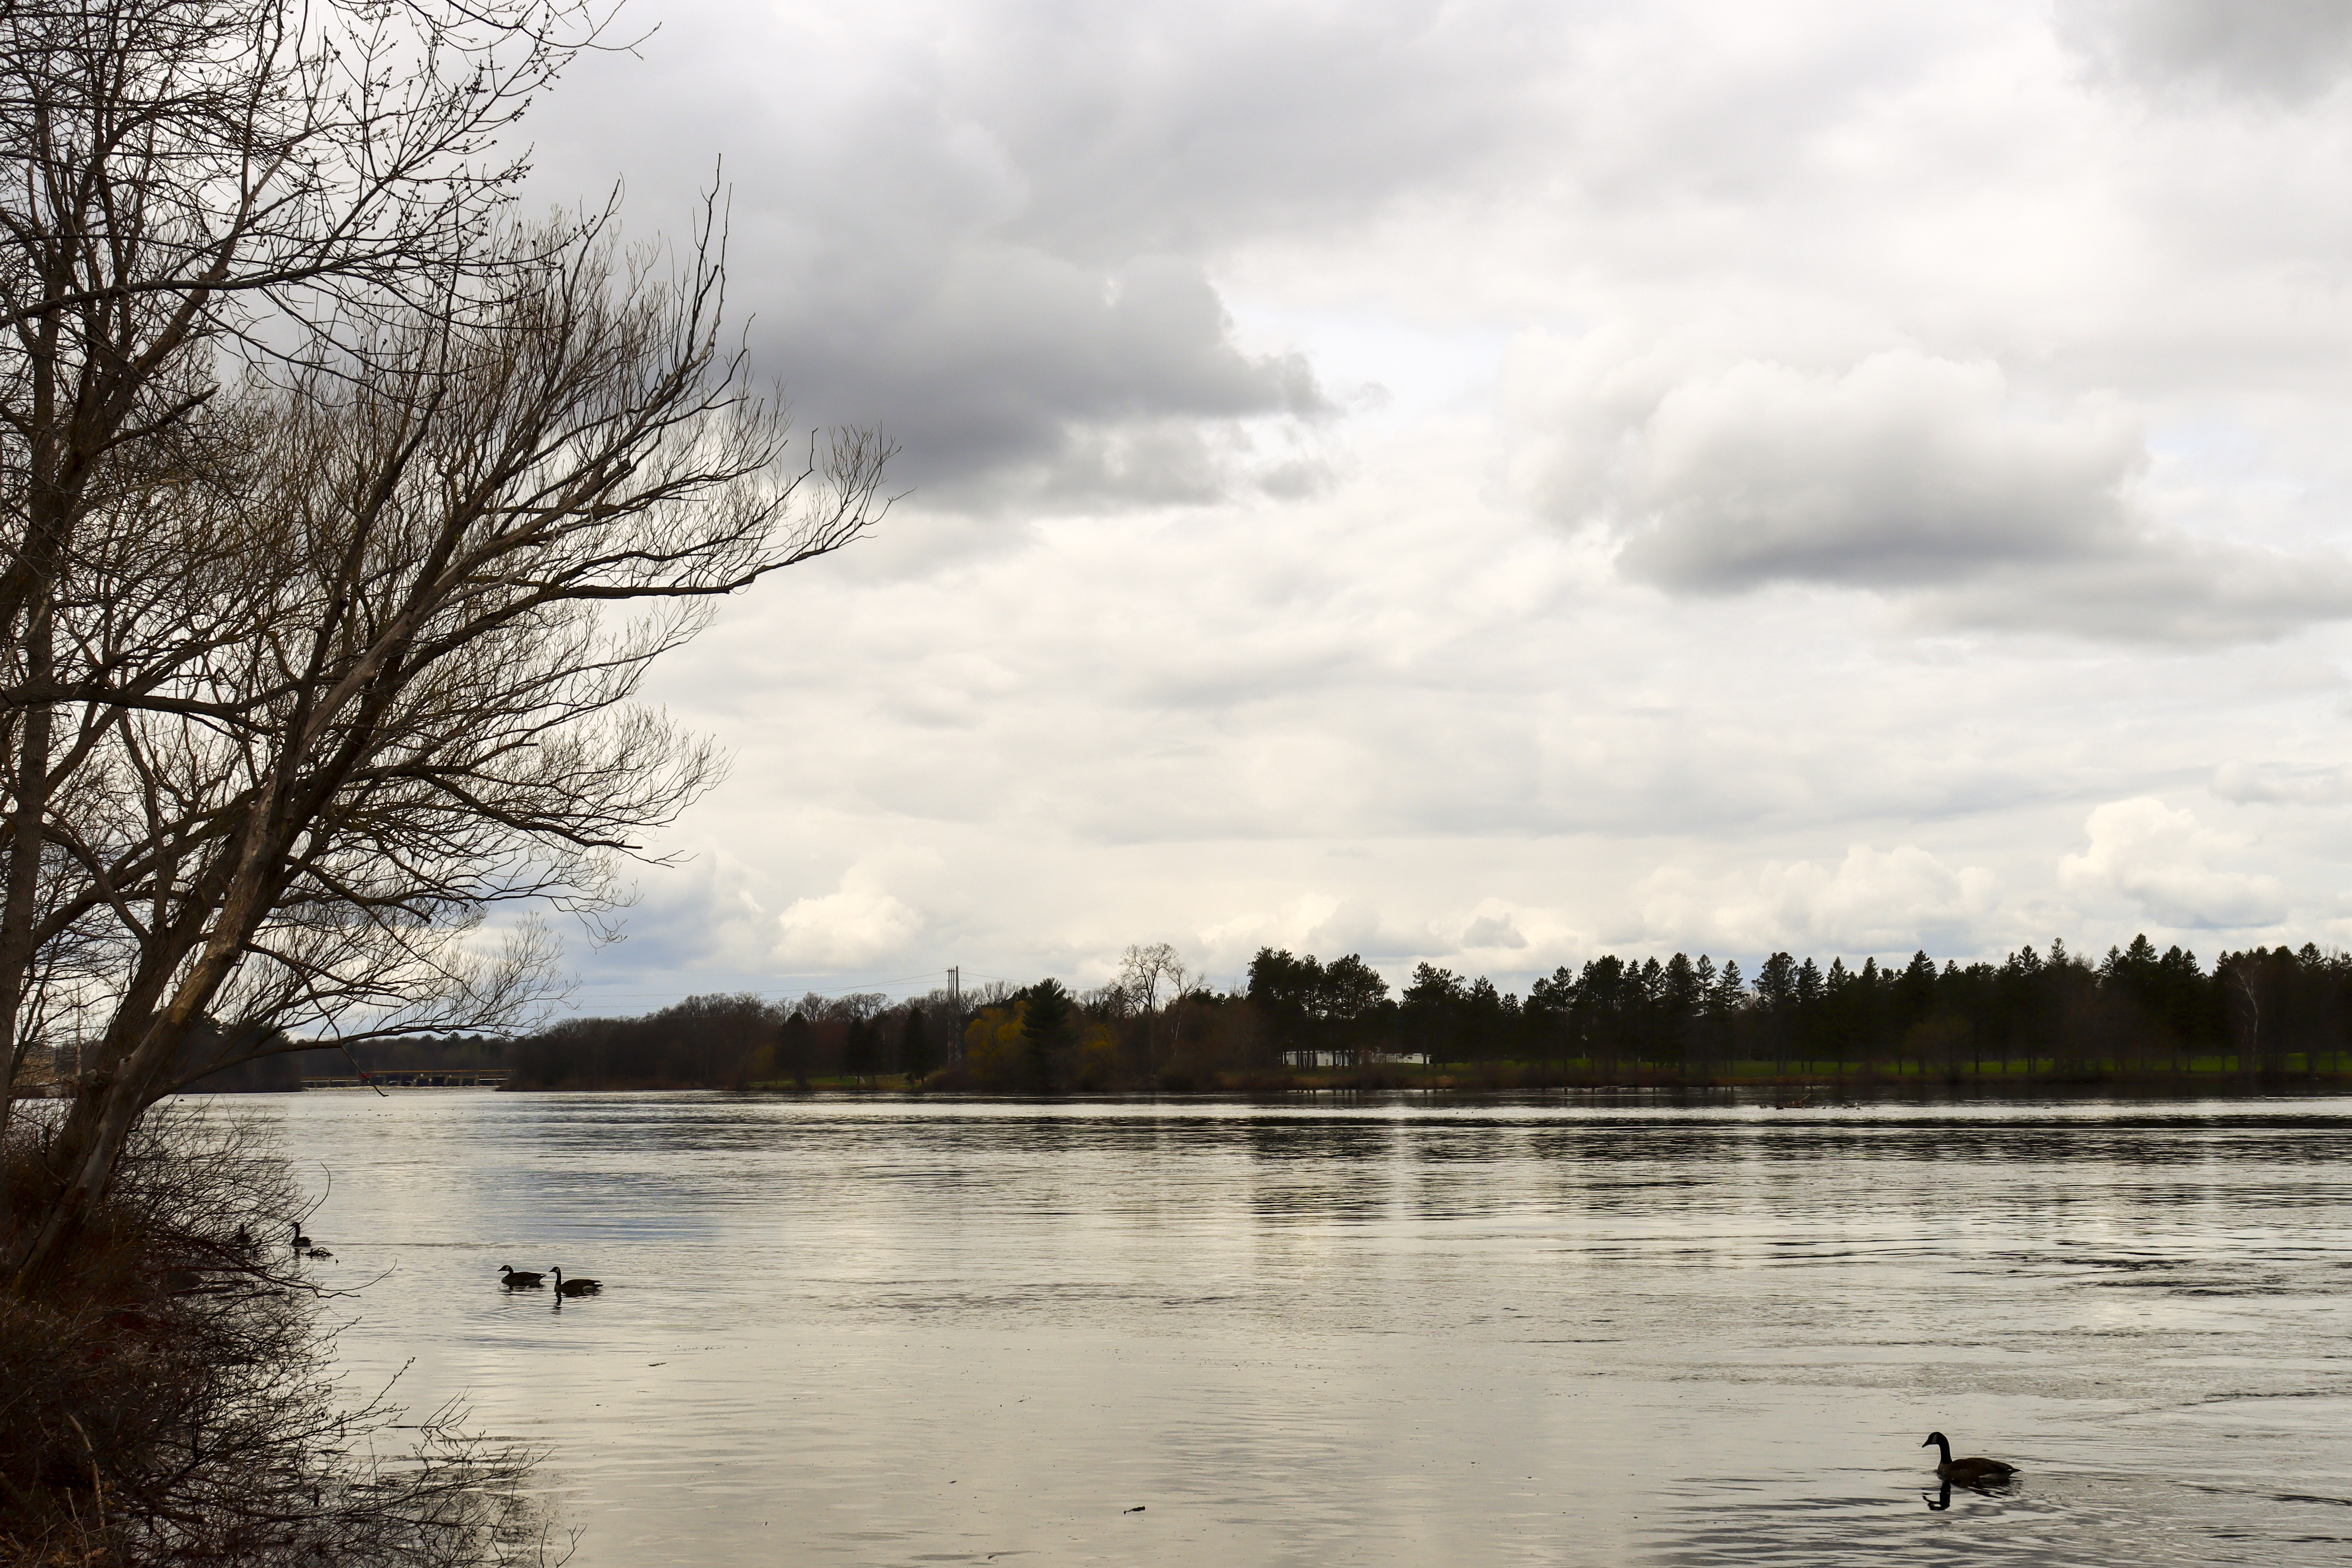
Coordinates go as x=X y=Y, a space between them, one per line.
x=1324 y=1169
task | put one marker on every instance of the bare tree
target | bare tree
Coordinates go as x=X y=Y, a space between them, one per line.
x=338 y=519
x=184 y=184
x=460 y=546
x=1143 y=973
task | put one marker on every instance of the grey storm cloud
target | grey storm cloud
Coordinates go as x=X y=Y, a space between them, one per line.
x=1902 y=470
x=1928 y=479
x=1140 y=127
x=989 y=227
x=2282 y=49
x=993 y=364
x=2275 y=783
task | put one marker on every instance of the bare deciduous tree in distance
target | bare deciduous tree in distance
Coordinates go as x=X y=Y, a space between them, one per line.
x=1143 y=973
x=311 y=665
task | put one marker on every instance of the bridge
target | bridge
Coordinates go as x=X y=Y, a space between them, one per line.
x=413 y=1078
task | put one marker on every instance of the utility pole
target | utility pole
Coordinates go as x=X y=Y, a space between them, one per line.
x=955 y=993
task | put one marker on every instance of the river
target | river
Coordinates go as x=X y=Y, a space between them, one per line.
x=1554 y=1330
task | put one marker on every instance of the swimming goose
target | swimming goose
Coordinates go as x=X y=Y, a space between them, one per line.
x=516 y=1281
x=576 y=1287
x=300 y=1241
x=1968 y=1472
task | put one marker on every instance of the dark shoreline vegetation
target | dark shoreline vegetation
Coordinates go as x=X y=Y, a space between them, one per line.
x=170 y=1398
x=2139 y=1018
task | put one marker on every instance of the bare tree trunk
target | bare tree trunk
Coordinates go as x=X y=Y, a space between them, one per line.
x=30 y=792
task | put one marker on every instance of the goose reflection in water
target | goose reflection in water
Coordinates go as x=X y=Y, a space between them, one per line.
x=1940 y=1500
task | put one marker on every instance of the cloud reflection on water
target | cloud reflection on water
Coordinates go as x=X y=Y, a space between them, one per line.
x=1382 y=1332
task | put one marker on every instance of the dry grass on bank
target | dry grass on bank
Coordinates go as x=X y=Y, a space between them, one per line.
x=169 y=1400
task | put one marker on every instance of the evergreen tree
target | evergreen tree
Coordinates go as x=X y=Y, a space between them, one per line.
x=1683 y=984
x=1915 y=991
x=1285 y=991
x=1350 y=1003
x=1704 y=1028
x=795 y=1049
x=857 y=1051
x=1045 y=1022
x=1550 y=1007
x=1489 y=1018
x=1431 y=1011
x=1601 y=1009
x=1873 y=990
x=915 y=1045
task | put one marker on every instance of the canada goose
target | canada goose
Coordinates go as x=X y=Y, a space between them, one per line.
x=1968 y=1472
x=514 y=1280
x=576 y=1287
x=300 y=1241
x=318 y=1252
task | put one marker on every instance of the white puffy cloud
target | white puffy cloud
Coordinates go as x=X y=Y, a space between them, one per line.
x=855 y=926
x=2161 y=859
x=1872 y=901
x=1324 y=924
x=1493 y=934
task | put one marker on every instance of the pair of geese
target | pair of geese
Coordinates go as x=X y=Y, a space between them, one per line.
x=515 y=1279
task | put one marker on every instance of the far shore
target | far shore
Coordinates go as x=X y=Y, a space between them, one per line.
x=1817 y=1084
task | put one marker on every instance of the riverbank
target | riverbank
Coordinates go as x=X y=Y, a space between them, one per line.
x=2203 y=1077
x=167 y=1394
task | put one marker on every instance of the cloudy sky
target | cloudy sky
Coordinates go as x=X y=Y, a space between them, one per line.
x=1500 y=481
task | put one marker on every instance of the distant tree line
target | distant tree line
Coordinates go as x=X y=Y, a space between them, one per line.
x=2136 y=1014
x=738 y=1039
x=283 y=1070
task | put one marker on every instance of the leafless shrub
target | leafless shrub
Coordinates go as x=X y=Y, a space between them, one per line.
x=167 y=1400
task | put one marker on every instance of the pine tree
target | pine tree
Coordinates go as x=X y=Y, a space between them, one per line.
x=915 y=1045
x=793 y=1052
x=1045 y=1021
x=857 y=1051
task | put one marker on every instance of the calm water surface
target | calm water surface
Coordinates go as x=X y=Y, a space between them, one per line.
x=1376 y=1332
